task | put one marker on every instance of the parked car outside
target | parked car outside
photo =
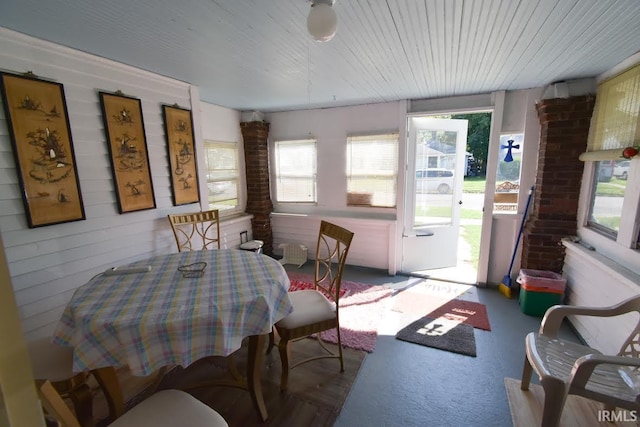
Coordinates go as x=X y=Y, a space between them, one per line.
x=434 y=181
x=219 y=187
x=605 y=170
x=621 y=169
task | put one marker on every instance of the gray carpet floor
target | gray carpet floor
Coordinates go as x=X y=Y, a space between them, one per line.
x=405 y=384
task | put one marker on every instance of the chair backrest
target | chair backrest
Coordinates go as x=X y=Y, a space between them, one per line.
x=55 y=405
x=196 y=231
x=631 y=346
x=331 y=255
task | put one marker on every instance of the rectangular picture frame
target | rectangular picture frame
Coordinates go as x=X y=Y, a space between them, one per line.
x=38 y=124
x=127 y=143
x=178 y=126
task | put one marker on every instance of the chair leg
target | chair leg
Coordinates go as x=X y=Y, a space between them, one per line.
x=108 y=380
x=82 y=399
x=526 y=374
x=272 y=341
x=340 y=350
x=285 y=354
x=555 y=394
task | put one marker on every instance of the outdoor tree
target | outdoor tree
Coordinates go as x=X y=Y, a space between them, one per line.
x=478 y=137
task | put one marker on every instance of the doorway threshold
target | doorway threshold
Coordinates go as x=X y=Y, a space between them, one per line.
x=464 y=273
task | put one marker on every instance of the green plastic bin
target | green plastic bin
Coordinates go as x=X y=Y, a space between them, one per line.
x=539 y=290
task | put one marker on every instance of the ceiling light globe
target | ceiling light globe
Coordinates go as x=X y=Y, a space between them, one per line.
x=322 y=22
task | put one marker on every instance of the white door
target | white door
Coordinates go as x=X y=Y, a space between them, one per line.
x=435 y=169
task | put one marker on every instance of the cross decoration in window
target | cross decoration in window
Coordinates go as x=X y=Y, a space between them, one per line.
x=509 y=157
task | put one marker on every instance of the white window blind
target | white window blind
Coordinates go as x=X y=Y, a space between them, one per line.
x=222 y=175
x=372 y=170
x=615 y=124
x=295 y=165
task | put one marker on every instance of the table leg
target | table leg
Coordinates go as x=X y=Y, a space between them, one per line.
x=110 y=385
x=255 y=361
x=82 y=399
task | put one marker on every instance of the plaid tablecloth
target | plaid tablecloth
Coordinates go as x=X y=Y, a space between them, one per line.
x=154 y=319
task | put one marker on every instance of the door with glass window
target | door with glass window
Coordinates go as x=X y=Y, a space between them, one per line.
x=435 y=169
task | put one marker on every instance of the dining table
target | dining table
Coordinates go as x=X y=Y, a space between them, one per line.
x=164 y=311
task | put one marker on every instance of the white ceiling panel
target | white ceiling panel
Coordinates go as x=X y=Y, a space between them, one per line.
x=257 y=55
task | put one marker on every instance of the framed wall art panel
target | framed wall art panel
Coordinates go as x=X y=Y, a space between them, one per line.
x=178 y=125
x=38 y=123
x=124 y=128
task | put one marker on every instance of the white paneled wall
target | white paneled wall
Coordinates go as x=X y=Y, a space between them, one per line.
x=597 y=281
x=376 y=236
x=48 y=263
x=371 y=245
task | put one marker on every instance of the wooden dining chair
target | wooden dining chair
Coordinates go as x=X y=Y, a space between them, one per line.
x=316 y=310
x=166 y=408
x=54 y=363
x=196 y=231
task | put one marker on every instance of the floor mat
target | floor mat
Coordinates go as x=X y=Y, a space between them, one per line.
x=441 y=333
x=468 y=312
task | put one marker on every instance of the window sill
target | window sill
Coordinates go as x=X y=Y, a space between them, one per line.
x=616 y=271
x=340 y=214
x=235 y=218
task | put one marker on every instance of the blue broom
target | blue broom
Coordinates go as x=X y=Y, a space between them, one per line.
x=505 y=286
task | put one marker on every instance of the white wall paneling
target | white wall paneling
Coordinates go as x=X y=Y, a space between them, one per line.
x=597 y=281
x=331 y=127
x=369 y=248
x=48 y=263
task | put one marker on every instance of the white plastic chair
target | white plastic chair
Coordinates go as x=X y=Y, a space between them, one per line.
x=567 y=368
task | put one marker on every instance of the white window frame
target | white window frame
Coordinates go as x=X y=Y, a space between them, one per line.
x=229 y=175
x=311 y=175
x=502 y=203
x=353 y=197
x=623 y=247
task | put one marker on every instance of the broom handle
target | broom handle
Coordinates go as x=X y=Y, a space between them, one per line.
x=524 y=218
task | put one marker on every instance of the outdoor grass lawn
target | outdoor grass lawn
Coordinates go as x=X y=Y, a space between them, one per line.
x=474 y=184
x=445 y=212
x=615 y=187
x=471 y=234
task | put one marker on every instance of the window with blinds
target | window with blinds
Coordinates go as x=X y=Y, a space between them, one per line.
x=295 y=170
x=615 y=123
x=222 y=175
x=372 y=170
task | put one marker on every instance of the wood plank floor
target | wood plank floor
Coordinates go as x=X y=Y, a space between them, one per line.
x=315 y=396
x=526 y=408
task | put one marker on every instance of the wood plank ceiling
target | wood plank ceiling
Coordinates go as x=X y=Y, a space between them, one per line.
x=257 y=55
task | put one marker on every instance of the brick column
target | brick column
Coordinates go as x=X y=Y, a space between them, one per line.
x=564 y=127
x=256 y=155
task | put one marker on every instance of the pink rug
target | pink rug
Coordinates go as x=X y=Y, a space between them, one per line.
x=361 y=308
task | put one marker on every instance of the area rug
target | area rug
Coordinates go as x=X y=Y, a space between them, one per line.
x=361 y=308
x=424 y=296
x=526 y=409
x=467 y=312
x=441 y=333
x=314 y=397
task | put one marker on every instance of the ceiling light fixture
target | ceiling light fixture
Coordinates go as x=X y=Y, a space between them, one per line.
x=322 y=22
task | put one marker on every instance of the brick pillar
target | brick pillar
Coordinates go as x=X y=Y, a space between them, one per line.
x=564 y=127
x=256 y=156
